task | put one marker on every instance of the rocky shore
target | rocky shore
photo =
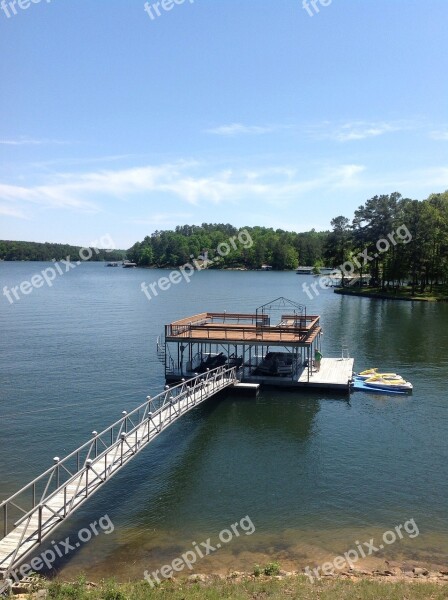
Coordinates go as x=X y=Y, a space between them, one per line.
x=391 y=572
x=37 y=588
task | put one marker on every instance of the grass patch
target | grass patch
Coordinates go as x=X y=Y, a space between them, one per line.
x=251 y=589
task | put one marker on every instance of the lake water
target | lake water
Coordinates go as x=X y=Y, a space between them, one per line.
x=314 y=472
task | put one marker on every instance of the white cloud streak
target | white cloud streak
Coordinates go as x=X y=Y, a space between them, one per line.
x=200 y=186
x=27 y=142
x=11 y=211
x=356 y=130
x=239 y=129
x=185 y=181
x=441 y=135
x=162 y=219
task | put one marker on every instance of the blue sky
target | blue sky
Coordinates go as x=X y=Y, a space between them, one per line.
x=249 y=112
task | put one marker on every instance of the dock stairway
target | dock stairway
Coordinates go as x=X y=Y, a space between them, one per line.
x=161 y=349
x=164 y=357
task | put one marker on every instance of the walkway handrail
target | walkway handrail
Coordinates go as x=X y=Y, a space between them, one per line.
x=57 y=477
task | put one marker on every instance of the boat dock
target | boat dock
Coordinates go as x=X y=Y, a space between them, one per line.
x=207 y=354
x=31 y=515
x=273 y=346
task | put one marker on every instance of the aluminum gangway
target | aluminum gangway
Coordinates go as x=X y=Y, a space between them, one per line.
x=35 y=511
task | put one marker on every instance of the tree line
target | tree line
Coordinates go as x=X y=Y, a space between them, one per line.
x=398 y=241
x=280 y=249
x=35 y=251
x=393 y=239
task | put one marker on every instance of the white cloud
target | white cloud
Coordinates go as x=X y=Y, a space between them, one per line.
x=10 y=211
x=201 y=186
x=356 y=130
x=240 y=129
x=47 y=196
x=170 y=190
x=23 y=141
x=440 y=135
x=346 y=175
x=415 y=183
x=189 y=182
x=162 y=219
x=348 y=134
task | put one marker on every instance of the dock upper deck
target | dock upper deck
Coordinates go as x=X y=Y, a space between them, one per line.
x=245 y=328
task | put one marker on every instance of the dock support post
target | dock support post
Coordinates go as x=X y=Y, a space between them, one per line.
x=123 y=435
x=309 y=364
x=166 y=362
x=56 y=461
x=88 y=465
x=95 y=437
x=39 y=526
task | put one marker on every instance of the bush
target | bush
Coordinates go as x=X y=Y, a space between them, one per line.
x=272 y=569
x=258 y=570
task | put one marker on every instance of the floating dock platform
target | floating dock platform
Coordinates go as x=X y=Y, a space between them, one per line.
x=274 y=346
x=334 y=374
x=246 y=389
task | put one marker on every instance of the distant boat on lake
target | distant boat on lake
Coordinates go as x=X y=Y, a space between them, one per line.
x=327 y=270
x=128 y=264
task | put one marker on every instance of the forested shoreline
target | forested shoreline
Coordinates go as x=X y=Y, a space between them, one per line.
x=282 y=250
x=36 y=251
x=397 y=241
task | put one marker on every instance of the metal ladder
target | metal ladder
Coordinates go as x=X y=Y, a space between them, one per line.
x=161 y=346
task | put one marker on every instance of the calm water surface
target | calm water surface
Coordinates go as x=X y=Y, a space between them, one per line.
x=314 y=472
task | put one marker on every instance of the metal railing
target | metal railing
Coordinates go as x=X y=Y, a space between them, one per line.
x=33 y=512
x=242 y=333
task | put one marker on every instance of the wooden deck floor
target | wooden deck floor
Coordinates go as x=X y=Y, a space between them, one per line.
x=333 y=371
